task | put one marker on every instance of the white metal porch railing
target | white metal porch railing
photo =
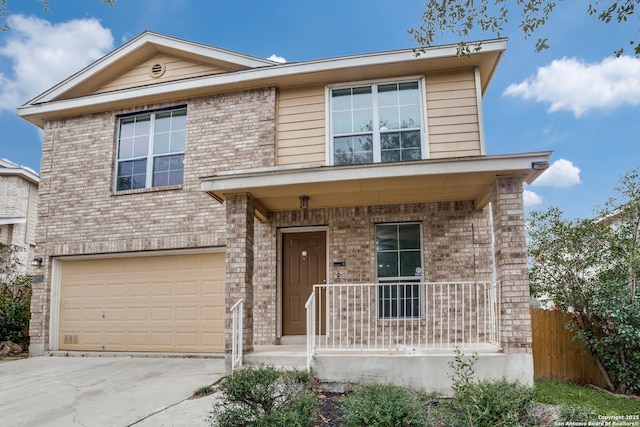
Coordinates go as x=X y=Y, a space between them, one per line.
x=310 y=306
x=405 y=317
x=236 y=334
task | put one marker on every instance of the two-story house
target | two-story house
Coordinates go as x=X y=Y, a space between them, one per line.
x=18 y=209
x=194 y=198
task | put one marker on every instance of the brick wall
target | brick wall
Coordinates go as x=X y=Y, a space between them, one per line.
x=511 y=264
x=80 y=214
x=14 y=202
x=239 y=263
x=456 y=245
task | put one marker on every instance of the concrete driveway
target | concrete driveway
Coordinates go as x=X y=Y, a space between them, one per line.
x=106 y=391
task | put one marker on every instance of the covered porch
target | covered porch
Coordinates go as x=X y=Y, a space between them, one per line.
x=469 y=289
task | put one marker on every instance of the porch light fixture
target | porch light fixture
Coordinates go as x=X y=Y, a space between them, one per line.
x=36 y=262
x=304 y=202
x=539 y=166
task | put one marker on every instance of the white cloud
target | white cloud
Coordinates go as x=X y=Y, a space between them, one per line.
x=561 y=173
x=276 y=58
x=574 y=85
x=530 y=198
x=43 y=54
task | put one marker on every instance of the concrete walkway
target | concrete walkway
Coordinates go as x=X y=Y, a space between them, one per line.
x=106 y=391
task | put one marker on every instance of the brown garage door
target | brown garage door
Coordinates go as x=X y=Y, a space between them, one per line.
x=169 y=303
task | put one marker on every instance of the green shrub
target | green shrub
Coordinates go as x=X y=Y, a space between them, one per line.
x=15 y=301
x=264 y=396
x=576 y=414
x=382 y=405
x=493 y=403
x=486 y=403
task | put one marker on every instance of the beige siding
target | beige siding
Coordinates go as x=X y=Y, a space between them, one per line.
x=175 y=69
x=452 y=112
x=172 y=303
x=301 y=126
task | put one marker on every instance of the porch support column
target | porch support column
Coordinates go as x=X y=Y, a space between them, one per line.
x=511 y=264
x=239 y=265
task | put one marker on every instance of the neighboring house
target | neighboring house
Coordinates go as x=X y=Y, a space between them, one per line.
x=179 y=180
x=19 y=209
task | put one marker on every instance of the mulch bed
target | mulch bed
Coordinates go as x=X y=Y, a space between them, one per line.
x=329 y=410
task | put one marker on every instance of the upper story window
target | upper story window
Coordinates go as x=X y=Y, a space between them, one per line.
x=379 y=122
x=151 y=149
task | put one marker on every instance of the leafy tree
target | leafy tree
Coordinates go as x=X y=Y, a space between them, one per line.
x=4 y=7
x=15 y=294
x=590 y=268
x=460 y=17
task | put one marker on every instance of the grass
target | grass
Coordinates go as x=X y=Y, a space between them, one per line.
x=204 y=391
x=554 y=393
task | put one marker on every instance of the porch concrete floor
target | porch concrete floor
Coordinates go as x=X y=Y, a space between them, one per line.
x=281 y=356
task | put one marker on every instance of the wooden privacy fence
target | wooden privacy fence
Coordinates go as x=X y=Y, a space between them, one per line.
x=555 y=355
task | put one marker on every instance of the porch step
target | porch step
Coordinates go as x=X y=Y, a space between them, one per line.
x=280 y=356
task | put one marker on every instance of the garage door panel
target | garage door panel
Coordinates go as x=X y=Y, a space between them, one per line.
x=161 y=339
x=160 y=314
x=137 y=314
x=210 y=314
x=186 y=314
x=114 y=290
x=160 y=289
x=187 y=289
x=213 y=339
x=186 y=339
x=138 y=338
x=96 y=291
x=114 y=314
x=213 y=287
x=139 y=289
x=93 y=338
x=159 y=303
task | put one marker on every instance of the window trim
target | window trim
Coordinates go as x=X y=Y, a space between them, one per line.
x=402 y=280
x=149 y=156
x=424 y=134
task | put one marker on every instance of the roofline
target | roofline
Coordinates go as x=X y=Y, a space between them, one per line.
x=41 y=105
x=149 y=37
x=8 y=168
x=9 y=220
x=265 y=177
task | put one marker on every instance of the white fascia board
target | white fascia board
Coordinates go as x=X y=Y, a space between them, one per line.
x=135 y=44
x=22 y=172
x=209 y=51
x=246 y=76
x=503 y=164
x=13 y=220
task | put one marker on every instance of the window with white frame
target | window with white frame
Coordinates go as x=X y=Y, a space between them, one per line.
x=379 y=122
x=151 y=149
x=399 y=268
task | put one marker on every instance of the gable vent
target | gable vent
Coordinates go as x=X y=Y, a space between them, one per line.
x=157 y=70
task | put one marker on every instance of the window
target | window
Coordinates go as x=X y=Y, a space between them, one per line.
x=380 y=122
x=399 y=261
x=151 y=150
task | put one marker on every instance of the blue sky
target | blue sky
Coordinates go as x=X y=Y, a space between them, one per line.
x=574 y=99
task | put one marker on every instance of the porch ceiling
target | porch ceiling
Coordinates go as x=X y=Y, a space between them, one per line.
x=467 y=178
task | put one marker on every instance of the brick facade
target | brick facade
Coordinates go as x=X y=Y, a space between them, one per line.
x=15 y=192
x=239 y=265
x=511 y=264
x=80 y=214
x=456 y=244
